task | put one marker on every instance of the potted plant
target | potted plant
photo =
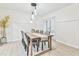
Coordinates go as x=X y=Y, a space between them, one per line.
x=3 y=25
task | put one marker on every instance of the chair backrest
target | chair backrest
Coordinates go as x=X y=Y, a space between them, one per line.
x=24 y=38
x=47 y=33
x=33 y=30
x=37 y=31
x=28 y=38
x=41 y=31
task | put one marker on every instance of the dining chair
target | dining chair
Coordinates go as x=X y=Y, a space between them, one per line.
x=33 y=30
x=37 y=31
x=47 y=32
x=44 y=39
x=25 y=42
x=41 y=31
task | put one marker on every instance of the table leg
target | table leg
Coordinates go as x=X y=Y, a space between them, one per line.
x=49 y=42
x=30 y=47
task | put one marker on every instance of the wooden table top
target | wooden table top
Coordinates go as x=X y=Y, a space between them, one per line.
x=41 y=35
x=37 y=35
x=32 y=36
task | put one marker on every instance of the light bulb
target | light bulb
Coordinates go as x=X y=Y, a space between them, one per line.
x=35 y=12
x=31 y=21
x=32 y=16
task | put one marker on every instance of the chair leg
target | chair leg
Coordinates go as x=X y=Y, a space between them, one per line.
x=37 y=46
x=27 y=51
x=25 y=48
x=34 y=45
x=42 y=45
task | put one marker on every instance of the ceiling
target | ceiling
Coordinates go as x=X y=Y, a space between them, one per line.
x=42 y=8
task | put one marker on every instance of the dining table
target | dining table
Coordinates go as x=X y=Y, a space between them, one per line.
x=38 y=36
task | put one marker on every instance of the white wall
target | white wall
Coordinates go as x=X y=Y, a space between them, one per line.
x=18 y=21
x=67 y=25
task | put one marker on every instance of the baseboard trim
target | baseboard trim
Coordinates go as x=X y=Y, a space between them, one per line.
x=73 y=46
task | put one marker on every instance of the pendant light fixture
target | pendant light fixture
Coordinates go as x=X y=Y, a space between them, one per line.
x=34 y=11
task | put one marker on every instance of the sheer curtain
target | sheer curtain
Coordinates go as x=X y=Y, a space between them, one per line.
x=50 y=25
